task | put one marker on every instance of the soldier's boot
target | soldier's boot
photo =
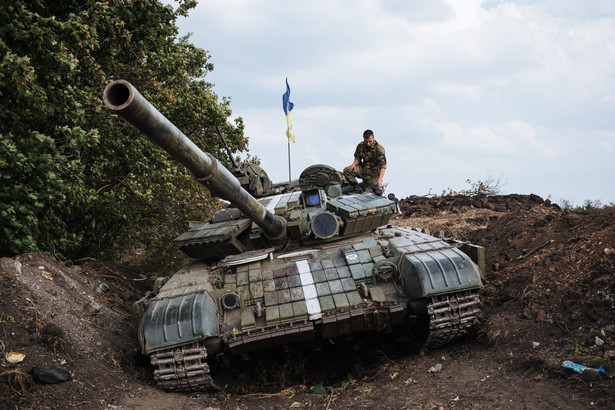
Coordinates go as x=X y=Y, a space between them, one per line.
x=357 y=188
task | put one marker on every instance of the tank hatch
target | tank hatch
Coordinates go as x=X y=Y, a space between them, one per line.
x=323 y=177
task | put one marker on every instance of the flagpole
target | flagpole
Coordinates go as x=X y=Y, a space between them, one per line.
x=289 y=177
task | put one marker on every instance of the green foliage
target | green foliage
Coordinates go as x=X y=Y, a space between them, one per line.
x=76 y=180
x=593 y=207
x=588 y=207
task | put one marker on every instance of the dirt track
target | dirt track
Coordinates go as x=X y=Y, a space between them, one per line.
x=549 y=297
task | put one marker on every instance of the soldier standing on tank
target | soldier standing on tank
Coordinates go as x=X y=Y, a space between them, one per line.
x=369 y=163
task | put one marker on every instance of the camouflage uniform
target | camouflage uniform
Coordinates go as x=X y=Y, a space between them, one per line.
x=371 y=160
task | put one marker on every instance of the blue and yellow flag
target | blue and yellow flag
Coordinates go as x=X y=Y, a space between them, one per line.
x=288 y=106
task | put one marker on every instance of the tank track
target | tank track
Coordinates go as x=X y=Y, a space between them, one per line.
x=183 y=368
x=451 y=316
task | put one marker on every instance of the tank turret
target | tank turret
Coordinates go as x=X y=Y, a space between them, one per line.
x=309 y=211
x=289 y=263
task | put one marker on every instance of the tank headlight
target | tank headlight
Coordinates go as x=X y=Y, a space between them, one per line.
x=325 y=225
x=230 y=301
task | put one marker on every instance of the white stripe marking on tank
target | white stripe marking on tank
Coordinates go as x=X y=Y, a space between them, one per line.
x=309 y=290
x=275 y=200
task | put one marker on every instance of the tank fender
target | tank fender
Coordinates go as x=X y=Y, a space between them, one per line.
x=431 y=273
x=178 y=320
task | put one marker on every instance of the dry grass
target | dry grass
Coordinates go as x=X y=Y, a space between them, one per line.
x=17 y=380
x=449 y=223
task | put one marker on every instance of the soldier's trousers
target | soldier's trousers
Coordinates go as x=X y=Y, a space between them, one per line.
x=358 y=173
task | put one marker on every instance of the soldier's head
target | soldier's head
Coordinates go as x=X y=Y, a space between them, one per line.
x=368 y=137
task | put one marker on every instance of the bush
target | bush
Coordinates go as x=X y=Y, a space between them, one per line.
x=77 y=181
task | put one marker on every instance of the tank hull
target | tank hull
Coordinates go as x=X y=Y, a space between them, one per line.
x=388 y=280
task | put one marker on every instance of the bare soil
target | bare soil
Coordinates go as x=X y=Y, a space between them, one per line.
x=549 y=296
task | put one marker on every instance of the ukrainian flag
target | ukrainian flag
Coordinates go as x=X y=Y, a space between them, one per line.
x=288 y=106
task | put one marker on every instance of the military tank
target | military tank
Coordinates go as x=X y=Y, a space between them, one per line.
x=303 y=262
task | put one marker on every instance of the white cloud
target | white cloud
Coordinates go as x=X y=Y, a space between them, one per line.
x=479 y=138
x=471 y=91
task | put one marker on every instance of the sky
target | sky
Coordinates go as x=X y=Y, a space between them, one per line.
x=521 y=93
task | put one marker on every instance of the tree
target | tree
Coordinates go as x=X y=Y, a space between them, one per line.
x=76 y=180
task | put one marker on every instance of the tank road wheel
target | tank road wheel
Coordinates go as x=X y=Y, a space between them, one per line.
x=182 y=368
x=451 y=316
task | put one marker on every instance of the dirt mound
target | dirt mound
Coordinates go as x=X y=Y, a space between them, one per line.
x=549 y=296
x=428 y=206
x=78 y=318
x=555 y=266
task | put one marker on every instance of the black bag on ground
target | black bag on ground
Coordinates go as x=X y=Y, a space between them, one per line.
x=50 y=373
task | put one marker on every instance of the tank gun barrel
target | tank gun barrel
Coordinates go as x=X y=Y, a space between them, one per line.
x=122 y=98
